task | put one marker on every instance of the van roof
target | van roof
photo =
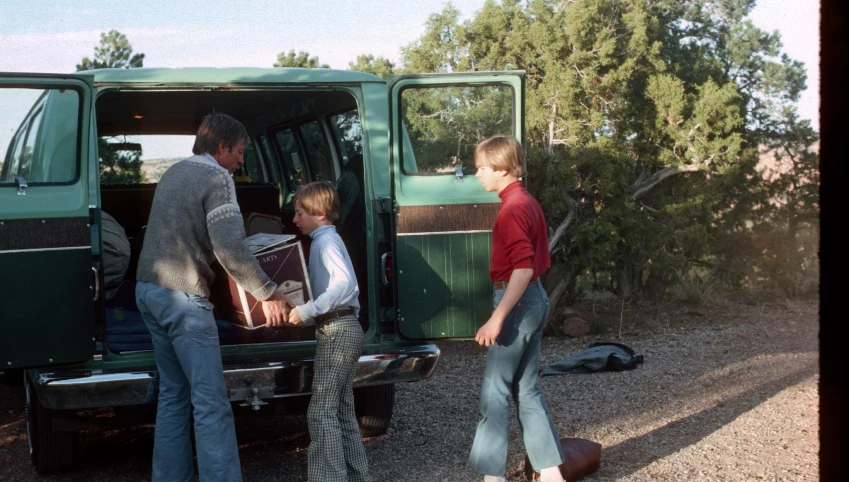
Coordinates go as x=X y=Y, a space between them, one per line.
x=229 y=75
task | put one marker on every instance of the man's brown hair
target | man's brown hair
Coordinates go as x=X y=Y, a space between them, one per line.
x=319 y=197
x=501 y=153
x=215 y=129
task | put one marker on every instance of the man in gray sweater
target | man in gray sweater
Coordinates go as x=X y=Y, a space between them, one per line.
x=195 y=221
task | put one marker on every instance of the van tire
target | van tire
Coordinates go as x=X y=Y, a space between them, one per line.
x=50 y=450
x=373 y=406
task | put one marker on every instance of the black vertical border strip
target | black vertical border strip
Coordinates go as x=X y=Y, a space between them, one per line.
x=834 y=59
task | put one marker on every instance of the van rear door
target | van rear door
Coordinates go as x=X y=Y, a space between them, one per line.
x=48 y=282
x=443 y=216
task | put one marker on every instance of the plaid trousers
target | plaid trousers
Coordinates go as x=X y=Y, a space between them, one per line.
x=336 y=451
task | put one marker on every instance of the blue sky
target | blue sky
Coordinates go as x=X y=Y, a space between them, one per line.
x=54 y=35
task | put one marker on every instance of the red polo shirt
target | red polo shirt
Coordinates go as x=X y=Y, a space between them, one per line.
x=519 y=237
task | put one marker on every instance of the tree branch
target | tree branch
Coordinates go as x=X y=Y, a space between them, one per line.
x=561 y=229
x=639 y=189
x=649 y=209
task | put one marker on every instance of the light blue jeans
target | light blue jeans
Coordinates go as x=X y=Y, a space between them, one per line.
x=191 y=375
x=512 y=366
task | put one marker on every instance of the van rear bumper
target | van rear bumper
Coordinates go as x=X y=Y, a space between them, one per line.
x=246 y=383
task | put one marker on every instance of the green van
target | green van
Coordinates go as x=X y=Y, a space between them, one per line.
x=79 y=145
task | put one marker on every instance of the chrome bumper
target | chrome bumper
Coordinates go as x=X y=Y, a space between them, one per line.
x=246 y=383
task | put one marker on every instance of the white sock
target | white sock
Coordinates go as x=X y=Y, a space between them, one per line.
x=493 y=478
x=551 y=474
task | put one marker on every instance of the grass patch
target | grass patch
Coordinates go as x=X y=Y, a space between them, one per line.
x=695 y=289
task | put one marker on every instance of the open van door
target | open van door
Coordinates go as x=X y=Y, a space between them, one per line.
x=443 y=216
x=48 y=282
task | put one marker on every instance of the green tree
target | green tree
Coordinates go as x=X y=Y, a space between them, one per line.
x=114 y=51
x=118 y=163
x=301 y=59
x=367 y=63
x=647 y=116
x=789 y=232
x=116 y=166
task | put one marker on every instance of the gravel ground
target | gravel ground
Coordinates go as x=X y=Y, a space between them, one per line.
x=727 y=392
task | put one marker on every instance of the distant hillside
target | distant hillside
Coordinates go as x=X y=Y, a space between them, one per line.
x=154 y=168
x=771 y=167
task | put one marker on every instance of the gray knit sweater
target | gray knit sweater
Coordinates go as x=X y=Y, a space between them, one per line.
x=194 y=221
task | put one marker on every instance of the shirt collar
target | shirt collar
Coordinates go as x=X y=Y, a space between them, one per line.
x=510 y=189
x=209 y=157
x=322 y=229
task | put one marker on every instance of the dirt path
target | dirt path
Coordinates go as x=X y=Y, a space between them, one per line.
x=727 y=392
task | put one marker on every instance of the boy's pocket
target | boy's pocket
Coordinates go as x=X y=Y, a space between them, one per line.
x=528 y=315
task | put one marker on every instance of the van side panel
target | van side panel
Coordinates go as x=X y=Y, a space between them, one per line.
x=442 y=291
x=37 y=320
x=374 y=115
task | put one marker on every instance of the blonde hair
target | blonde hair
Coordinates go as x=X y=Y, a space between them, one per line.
x=319 y=197
x=501 y=153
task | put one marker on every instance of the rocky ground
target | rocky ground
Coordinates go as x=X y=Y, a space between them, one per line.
x=728 y=391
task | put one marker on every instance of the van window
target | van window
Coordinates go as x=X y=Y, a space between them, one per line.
x=140 y=159
x=349 y=134
x=40 y=151
x=296 y=172
x=444 y=124
x=143 y=159
x=252 y=170
x=321 y=161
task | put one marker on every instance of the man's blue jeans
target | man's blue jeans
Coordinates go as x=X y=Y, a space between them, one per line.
x=188 y=357
x=512 y=366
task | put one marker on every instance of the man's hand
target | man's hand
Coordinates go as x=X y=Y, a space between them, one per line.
x=488 y=333
x=274 y=309
x=294 y=317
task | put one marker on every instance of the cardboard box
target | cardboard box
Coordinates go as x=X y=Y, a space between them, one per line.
x=285 y=265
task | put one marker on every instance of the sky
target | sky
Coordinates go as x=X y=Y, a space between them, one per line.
x=54 y=35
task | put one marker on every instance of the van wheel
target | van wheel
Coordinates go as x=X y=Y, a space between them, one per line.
x=373 y=406
x=50 y=450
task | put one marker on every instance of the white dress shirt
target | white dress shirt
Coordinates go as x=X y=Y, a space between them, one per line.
x=331 y=275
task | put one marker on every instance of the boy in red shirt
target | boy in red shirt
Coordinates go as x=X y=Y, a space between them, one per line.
x=513 y=332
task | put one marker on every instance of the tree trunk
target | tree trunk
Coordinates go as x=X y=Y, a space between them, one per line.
x=561 y=229
x=624 y=288
x=792 y=244
x=549 y=149
x=561 y=287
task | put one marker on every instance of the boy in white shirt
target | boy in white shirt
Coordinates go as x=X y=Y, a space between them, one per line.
x=336 y=449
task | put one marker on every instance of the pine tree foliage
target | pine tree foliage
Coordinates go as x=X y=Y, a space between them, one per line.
x=370 y=64
x=301 y=59
x=114 y=52
x=116 y=166
x=645 y=122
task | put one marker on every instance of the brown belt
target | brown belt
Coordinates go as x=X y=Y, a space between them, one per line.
x=502 y=285
x=332 y=315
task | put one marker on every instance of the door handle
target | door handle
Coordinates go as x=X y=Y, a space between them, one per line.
x=96 y=284
x=386 y=267
x=21 y=181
